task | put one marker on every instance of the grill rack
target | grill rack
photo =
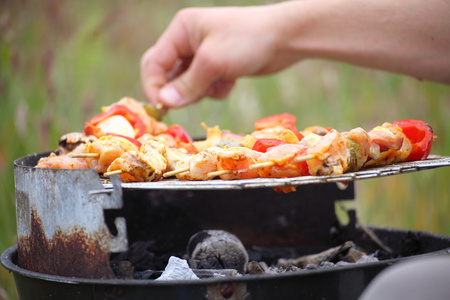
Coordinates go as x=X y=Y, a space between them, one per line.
x=433 y=161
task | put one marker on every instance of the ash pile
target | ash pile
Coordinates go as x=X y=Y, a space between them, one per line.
x=218 y=253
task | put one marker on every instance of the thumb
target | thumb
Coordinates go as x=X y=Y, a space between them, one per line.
x=190 y=86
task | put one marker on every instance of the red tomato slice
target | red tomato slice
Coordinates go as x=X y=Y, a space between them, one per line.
x=421 y=136
x=117 y=109
x=284 y=120
x=90 y=129
x=297 y=134
x=262 y=145
x=178 y=132
x=303 y=165
x=134 y=141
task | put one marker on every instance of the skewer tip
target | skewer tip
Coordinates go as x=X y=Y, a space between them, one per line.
x=304 y=157
x=84 y=155
x=107 y=174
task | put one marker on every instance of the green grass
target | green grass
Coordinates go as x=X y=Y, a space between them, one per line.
x=60 y=61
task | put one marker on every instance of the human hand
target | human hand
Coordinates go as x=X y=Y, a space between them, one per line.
x=204 y=50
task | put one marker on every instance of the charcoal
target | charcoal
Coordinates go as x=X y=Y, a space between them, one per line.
x=217 y=249
x=145 y=255
x=345 y=252
x=322 y=265
x=353 y=255
x=255 y=268
x=145 y=260
x=147 y=274
x=123 y=270
x=411 y=245
x=204 y=273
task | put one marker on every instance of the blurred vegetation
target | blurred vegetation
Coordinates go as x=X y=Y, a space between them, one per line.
x=60 y=61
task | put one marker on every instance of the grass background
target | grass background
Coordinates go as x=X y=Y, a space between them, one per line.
x=60 y=61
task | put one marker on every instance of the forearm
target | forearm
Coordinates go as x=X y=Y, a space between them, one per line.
x=204 y=50
x=410 y=37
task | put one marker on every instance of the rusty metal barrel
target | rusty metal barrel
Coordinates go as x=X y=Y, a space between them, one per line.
x=60 y=224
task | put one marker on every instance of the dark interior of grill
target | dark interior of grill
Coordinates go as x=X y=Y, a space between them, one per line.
x=270 y=225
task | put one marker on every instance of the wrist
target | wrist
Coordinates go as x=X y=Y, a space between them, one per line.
x=408 y=38
x=297 y=28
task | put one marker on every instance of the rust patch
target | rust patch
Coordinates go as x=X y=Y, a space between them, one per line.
x=73 y=253
x=227 y=290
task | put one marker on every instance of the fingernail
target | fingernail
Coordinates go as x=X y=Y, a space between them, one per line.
x=171 y=96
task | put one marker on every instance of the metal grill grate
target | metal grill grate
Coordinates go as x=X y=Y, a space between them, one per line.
x=432 y=162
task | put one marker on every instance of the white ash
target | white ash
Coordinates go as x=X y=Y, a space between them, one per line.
x=177 y=269
x=367 y=258
x=321 y=266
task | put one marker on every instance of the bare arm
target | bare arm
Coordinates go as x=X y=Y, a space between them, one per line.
x=204 y=51
x=410 y=37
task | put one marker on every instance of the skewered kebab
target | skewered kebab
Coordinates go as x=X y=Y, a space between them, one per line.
x=68 y=142
x=333 y=153
x=327 y=151
x=236 y=161
x=113 y=133
x=70 y=152
x=108 y=148
x=128 y=109
x=147 y=164
x=359 y=156
x=63 y=161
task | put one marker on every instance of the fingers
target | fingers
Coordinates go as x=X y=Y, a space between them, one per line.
x=166 y=59
x=200 y=79
x=184 y=65
x=182 y=92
